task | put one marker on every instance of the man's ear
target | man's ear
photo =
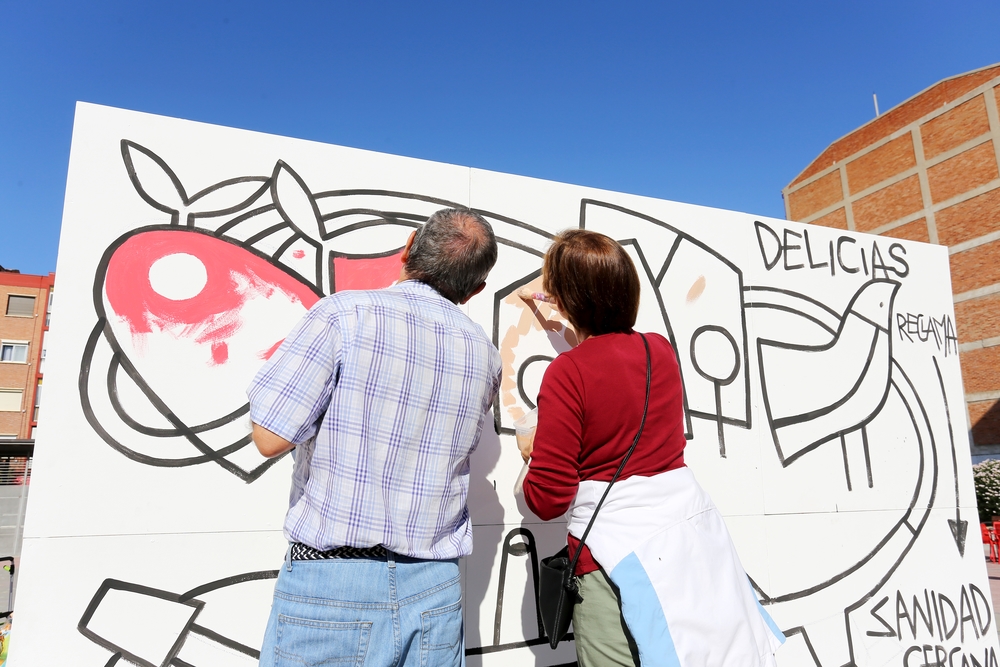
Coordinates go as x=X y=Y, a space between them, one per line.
x=405 y=256
x=476 y=291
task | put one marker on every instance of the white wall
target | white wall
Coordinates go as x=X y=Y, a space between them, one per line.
x=824 y=399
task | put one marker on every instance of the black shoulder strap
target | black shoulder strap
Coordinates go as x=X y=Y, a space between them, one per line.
x=628 y=455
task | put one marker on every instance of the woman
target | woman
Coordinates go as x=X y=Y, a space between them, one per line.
x=660 y=580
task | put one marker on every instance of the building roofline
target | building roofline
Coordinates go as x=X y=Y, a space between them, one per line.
x=9 y=279
x=909 y=99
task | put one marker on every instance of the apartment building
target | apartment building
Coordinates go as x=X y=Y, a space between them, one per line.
x=929 y=170
x=26 y=301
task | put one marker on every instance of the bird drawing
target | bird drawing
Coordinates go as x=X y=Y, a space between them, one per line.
x=814 y=394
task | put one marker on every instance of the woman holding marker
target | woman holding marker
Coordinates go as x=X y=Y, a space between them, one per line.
x=660 y=580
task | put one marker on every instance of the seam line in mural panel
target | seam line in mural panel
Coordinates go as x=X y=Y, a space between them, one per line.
x=228 y=581
x=923 y=520
x=483 y=650
x=225 y=641
x=805 y=637
x=115 y=584
x=903 y=520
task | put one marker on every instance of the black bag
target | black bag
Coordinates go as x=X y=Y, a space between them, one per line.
x=558 y=593
x=558 y=588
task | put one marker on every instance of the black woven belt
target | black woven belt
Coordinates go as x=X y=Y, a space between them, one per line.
x=305 y=552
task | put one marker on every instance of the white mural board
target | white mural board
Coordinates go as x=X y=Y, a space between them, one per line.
x=823 y=400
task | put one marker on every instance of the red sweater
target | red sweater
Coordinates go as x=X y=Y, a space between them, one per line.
x=589 y=409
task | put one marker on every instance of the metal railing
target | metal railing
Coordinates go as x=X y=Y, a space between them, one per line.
x=14 y=470
x=15 y=477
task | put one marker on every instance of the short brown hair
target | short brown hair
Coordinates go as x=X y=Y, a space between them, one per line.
x=594 y=280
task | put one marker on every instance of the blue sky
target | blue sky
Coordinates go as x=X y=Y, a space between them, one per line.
x=714 y=103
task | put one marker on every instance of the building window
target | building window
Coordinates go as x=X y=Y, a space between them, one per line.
x=48 y=310
x=38 y=401
x=14 y=352
x=41 y=362
x=10 y=400
x=19 y=305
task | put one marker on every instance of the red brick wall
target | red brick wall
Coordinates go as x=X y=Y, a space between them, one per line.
x=979 y=370
x=978 y=319
x=884 y=162
x=966 y=171
x=836 y=219
x=22 y=376
x=913 y=231
x=952 y=128
x=969 y=219
x=890 y=203
x=897 y=118
x=904 y=200
x=985 y=419
x=816 y=196
x=975 y=268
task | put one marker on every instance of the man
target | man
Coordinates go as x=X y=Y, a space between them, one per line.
x=383 y=395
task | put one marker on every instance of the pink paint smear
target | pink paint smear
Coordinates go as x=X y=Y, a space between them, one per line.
x=214 y=315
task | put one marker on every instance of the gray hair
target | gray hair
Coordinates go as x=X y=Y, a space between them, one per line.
x=453 y=252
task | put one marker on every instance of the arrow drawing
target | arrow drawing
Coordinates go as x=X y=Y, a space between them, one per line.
x=958 y=527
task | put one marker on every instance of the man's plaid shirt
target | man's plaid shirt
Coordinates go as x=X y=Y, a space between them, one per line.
x=385 y=394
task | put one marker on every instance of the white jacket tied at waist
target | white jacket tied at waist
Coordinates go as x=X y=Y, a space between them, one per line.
x=685 y=596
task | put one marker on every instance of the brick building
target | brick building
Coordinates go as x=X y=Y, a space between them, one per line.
x=927 y=170
x=26 y=301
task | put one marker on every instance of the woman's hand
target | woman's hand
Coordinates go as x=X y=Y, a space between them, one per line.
x=526 y=445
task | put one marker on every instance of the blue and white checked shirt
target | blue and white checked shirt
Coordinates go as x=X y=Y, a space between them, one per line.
x=384 y=393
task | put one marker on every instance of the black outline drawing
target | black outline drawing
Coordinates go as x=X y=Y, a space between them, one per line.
x=526 y=548
x=120 y=360
x=686 y=365
x=535 y=358
x=319 y=223
x=880 y=335
x=520 y=549
x=885 y=557
x=719 y=382
x=240 y=199
x=959 y=527
x=190 y=599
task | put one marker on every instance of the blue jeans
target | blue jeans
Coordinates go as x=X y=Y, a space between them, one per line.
x=365 y=612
